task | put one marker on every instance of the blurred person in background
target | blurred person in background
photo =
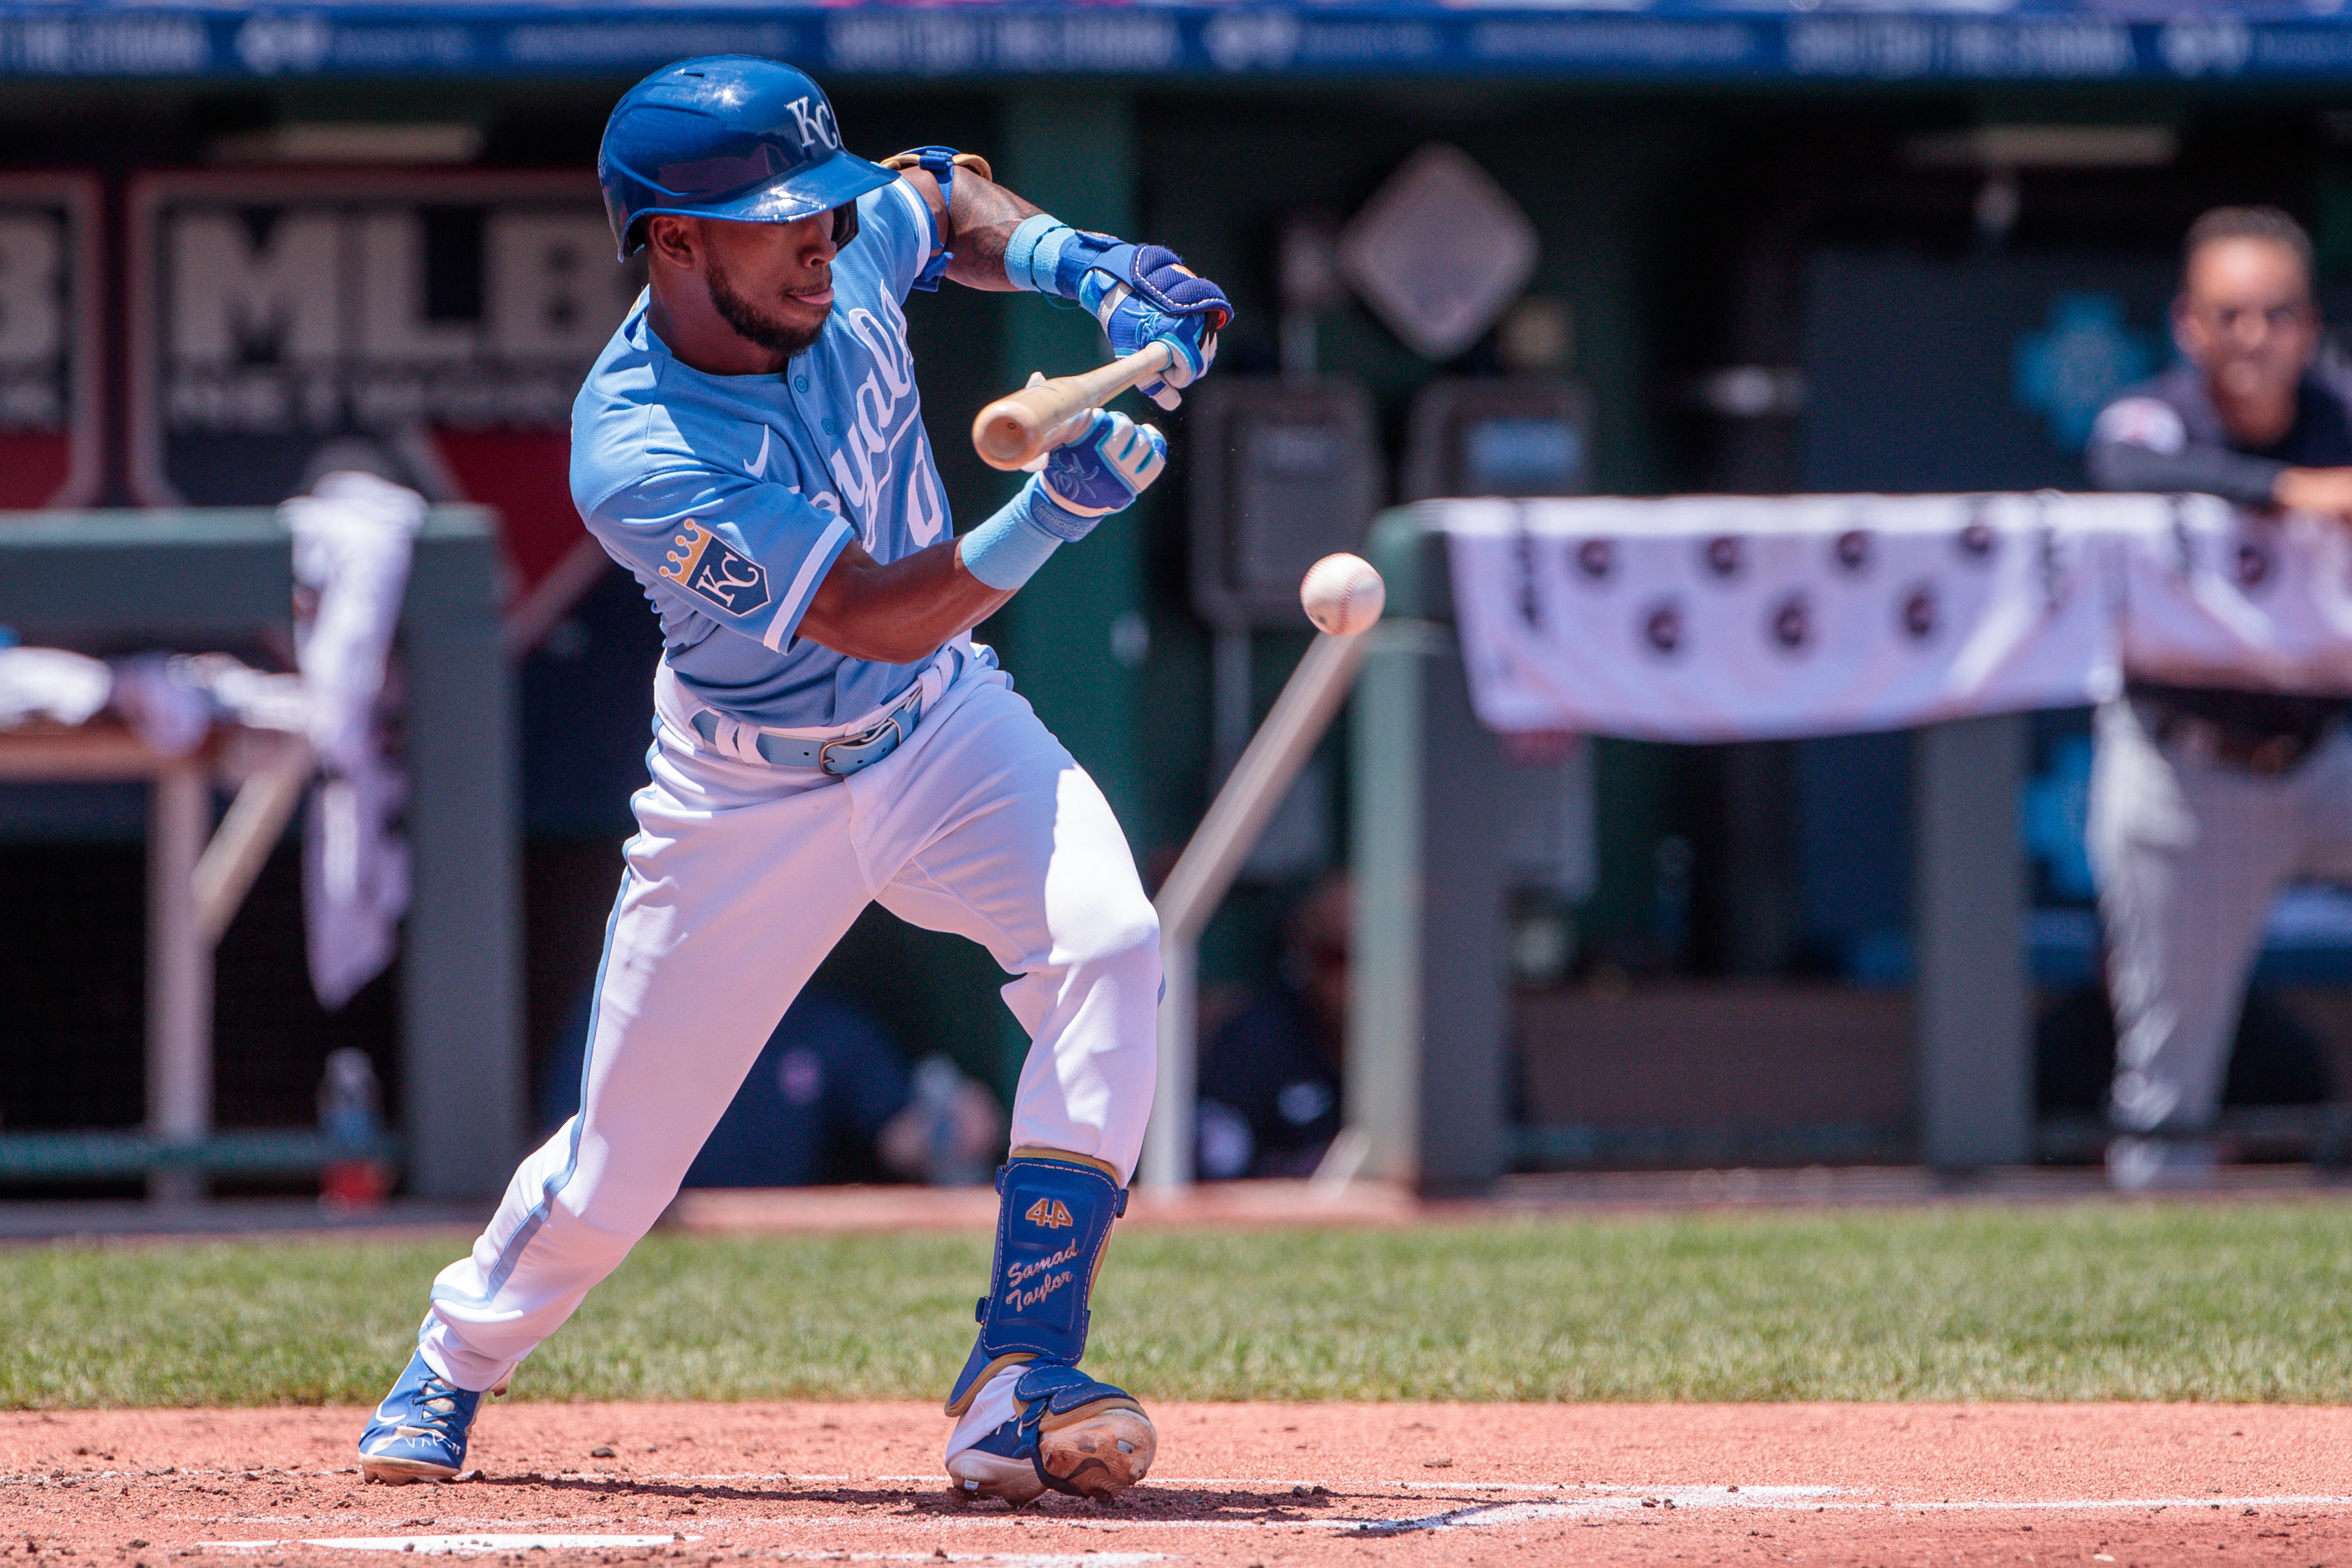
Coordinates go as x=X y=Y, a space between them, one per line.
x=2206 y=799
x=829 y=1099
x=1270 y=1081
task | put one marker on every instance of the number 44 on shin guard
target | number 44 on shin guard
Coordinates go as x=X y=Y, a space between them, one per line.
x=1067 y=1431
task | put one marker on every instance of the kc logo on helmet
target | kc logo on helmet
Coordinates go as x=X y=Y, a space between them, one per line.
x=816 y=125
x=1050 y=1213
x=704 y=564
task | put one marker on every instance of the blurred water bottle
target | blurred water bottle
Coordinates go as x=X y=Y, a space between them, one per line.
x=350 y=1112
x=941 y=1100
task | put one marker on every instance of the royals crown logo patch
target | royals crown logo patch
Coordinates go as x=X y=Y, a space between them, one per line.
x=707 y=565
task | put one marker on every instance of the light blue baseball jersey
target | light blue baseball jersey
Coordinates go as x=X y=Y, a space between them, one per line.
x=729 y=495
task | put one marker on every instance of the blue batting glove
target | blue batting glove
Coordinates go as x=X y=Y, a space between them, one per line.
x=1113 y=460
x=1145 y=293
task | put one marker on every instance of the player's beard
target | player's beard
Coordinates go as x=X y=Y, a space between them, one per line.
x=751 y=322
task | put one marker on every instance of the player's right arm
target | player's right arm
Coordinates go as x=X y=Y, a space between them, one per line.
x=2141 y=443
x=899 y=611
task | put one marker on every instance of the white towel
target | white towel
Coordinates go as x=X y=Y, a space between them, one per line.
x=50 y=683
x=353 y=535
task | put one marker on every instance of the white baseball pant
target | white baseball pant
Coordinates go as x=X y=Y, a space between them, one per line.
x=741 y=879
x=2188 y=855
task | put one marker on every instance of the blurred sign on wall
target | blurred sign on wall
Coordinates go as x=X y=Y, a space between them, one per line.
x=2055 y=40
x=1515 y=436
x=1439 y=252
x=434 y=325
x=1979 y=373
x=1284 y=474
x=50 y=277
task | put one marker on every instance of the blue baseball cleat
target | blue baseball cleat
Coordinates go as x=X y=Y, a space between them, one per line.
x=419 y=1431
x=1073 y=1435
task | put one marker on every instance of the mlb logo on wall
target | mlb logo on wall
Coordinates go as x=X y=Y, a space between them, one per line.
x=50 y=281
x=434 y=325
x=707 y=565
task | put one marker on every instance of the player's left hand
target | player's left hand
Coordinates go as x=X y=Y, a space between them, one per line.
x=1113 y=460
x=1145 y=293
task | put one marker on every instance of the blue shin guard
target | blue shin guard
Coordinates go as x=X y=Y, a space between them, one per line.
x=1054 y=1218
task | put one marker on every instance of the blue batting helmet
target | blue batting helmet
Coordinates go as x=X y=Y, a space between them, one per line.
x=728 y=136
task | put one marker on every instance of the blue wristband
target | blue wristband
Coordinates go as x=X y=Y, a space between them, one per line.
x=1006 y=550
x=1031 y=253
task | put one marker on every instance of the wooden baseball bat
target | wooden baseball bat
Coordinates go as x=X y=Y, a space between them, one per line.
x=1015 y=430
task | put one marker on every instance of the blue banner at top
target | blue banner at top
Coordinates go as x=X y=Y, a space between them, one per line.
x=2038 y=40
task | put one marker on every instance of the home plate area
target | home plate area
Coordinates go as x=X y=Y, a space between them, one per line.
x=1236 y=1484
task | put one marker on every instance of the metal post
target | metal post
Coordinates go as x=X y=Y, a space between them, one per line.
x=1976 y=1036
x=1384 y=955
x=1464 y=979
x=1230 y=695
x=460 y=966
x=1168 y=1141
x=179 y=974
x=264 y=804
x=1427 y=1009
x=1204 y=873
x=1387 y=762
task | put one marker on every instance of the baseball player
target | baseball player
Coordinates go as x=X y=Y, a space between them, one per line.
x=751 y=445
x=2207 y=798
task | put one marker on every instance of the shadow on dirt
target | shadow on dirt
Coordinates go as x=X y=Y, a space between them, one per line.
x=1172 y=1502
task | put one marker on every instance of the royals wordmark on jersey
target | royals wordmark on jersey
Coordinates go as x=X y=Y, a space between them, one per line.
x=729 y=495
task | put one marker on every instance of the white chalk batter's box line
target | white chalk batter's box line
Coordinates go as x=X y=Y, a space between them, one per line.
x=483 y=1544
x=1632 y=1502
x=1611 y=1500
x=512 y=1537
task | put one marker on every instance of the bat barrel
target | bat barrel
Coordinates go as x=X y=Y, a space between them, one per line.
x=1007 y=434
x=1011 y=432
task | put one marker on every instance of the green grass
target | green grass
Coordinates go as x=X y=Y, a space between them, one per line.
x=2095 y=1301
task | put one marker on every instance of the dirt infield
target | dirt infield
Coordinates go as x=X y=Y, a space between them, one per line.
x=1236 y=1485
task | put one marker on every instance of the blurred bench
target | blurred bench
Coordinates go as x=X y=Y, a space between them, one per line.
x=194 y=579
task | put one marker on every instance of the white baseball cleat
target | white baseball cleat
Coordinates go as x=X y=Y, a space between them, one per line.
x=1071 y=1434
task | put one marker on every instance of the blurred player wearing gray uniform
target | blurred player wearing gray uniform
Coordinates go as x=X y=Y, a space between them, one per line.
x=751 y=445
x=2206 y=799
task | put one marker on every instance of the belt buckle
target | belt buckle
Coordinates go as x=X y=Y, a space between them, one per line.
x=898 y=722
x=872 y=737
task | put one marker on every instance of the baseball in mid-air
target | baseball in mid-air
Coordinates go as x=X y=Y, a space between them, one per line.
x=1343 y=595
